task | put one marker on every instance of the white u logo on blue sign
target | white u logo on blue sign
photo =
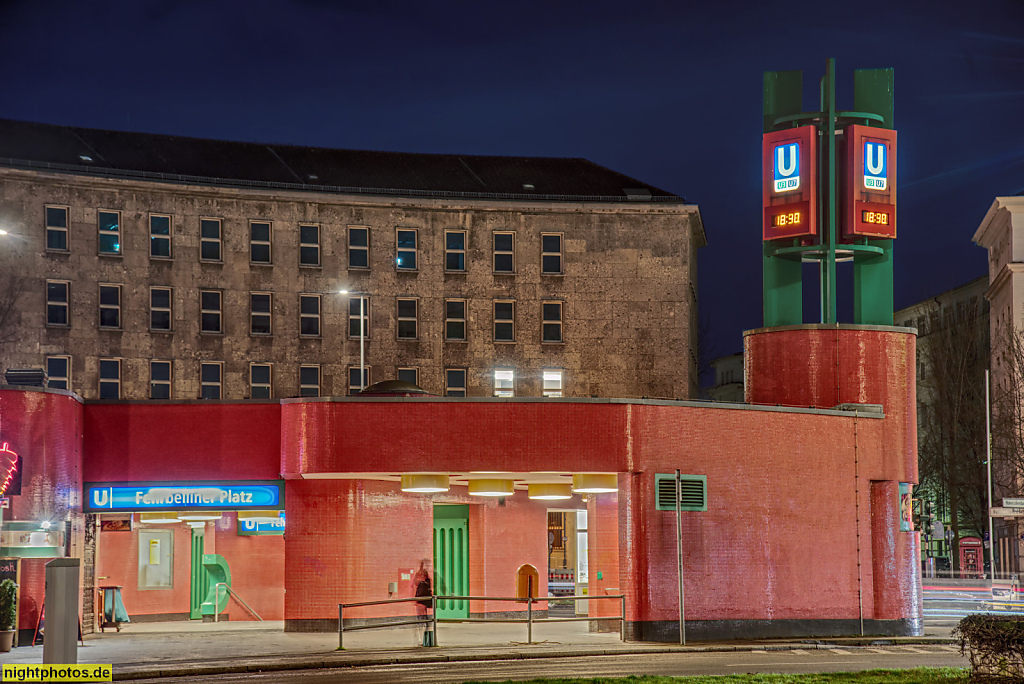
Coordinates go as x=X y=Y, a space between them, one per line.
x=876 y=165
x=787 y=167
x=101 y=498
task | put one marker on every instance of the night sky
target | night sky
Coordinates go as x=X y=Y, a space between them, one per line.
x=669 y=93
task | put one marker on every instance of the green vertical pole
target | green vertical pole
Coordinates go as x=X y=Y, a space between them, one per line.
x=827 y=189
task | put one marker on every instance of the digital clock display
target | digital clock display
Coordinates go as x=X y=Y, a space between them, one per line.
x=793 y=218
x=878 y=218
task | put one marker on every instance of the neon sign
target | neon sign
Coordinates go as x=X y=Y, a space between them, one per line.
x=9 y=464
x=786 y=167
x=152 y=496
x=876 y=163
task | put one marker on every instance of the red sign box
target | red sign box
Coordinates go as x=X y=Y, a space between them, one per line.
x=869 y=195
x=789 y=189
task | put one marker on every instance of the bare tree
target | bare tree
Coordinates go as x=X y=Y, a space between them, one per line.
x=11 y=289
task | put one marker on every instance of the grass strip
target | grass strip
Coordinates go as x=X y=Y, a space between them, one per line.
x=917 y=675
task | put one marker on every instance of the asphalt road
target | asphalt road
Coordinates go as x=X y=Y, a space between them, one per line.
x=739 y=662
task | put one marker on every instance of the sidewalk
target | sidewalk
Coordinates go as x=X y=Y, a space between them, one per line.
x=168 y=649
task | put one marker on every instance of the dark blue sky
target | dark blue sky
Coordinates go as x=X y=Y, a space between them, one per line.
x=669 y=93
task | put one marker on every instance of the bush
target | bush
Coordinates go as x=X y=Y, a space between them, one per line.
x=8 y=604
x=995 y=646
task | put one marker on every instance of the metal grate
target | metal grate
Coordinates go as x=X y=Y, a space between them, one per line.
x=694 y=492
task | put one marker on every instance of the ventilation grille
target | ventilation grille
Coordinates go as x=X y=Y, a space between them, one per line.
x=694 y=496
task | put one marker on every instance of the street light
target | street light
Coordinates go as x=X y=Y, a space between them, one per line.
x=362 y=335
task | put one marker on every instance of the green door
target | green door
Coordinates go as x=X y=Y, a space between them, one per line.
x=451 y=559
x=200 y=579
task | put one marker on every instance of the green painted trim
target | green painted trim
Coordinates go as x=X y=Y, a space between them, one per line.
x=32 y=551
x=217 y=568
x=661 y=477
x=808 y=251
x=451 y=511
x=451 y=559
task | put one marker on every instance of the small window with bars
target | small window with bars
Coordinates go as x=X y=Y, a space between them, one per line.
x=694 y=492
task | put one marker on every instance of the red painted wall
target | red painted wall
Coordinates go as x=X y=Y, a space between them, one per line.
x=117 y=563
x=257 y=570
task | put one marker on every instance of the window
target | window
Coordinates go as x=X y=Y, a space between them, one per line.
x=358 y=247
x=57 y=299
x=260 y=313
x=455 y=320
x=410 y=375
x=309 y=315
x=159 y=379
x=57 y=229
x=552 y=382
x=259 y=242
x=110 y=378
x=209 y=304
x=309 y=245
x=455 y=382
x=354 y=387
x=110 y=306
x=58 y=372
x=551 y=327
x=504 y=382
x=110 y=231
x=159 y=308
x=156 y=559
x=455 y=250
x=504 y=252
x=160 y=236
x=504 y=321
x=405 y=253
x=210 y=373
x=260 y=386
x=309 y=381
x=407 y=319
x=209 y=239
x=551 y=253
x=354 y=304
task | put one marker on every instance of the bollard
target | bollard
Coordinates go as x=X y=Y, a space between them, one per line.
x=529 y=619
x=341 y=627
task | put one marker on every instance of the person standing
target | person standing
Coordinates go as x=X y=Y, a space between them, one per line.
x=423 y=589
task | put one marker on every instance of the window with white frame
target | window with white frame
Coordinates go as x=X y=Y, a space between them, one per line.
x=58 y=298
x=455 y=250
x=504 y=382
x=160 y=308
x=309 y=245
x=260 y=381
x=551 y=326
x=309 y=381
x=110 y=232
x=406 y=249
x=259 y=242
x=260 y=307
x=455 y=382
x=210 y=311
x=209 y=239
x=57 y=229
x=504 y=321
x=159 y=236
x=211 y=375
x=455 y=320
x=410 y=375
x=552 y=382
x=159 y=379
x=110 y=306
x=353 y=379
x=354 y=313
x=551 y=253
x=358 y=247
x=407 y=318
x=504 y=252
x=110 y=378
x=309 y=315
x=58 y=372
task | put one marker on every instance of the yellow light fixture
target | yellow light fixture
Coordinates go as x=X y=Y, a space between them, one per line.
x=186 y=516
x=550 y=490
x=425 y=483
x=159 y=517
x=491 y=487
x=260 y=516
x=595 y=483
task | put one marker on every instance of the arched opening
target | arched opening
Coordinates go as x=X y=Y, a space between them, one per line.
x=527 y=581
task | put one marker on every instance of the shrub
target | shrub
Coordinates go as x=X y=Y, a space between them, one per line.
x=8 y=604
x=995 y=646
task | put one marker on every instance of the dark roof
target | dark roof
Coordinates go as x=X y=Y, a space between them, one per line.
x=394 y=388
x=222 y=162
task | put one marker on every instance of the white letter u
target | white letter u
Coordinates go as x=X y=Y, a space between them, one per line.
x=784 y=168
x=875 y=158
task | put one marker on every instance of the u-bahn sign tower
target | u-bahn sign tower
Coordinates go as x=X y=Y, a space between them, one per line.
x=829 y=195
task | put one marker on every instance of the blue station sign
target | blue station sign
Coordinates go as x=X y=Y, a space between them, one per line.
x=876 y=165
x=786 y=167
x=245 y=495
x=247 y=528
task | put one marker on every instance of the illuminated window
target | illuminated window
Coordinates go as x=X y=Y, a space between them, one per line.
x=455 y=382
x=209 y=302
x=552 y=323
x=551 y=253
x=260 y=375
x=110 y=232
x=57 y=229
x=58 y=296
x=260 y=306
x=110 y=378
x=309 y=245
x=209 y=239
x=160 y=236
x=455 y=320
x=210 y=379
x=455 y=250
x=309 y=381
x=259 y=242
x=504 y=252
x=354 y=386
x=358 y=247
x=407 y=318
x=354 y=327
x=410 y=375
x=309 y=315
x=504 y=382
x=110 y=306
x=552 y=382
x=160 y=308
x=58 y=372
x=504 y=321
x=406 y=249
x=159 y=379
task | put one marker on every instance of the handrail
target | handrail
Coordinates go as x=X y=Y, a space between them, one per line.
x=420 y=600
x=231 y=592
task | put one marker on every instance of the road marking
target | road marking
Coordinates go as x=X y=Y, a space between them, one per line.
x=911 y=649
x=840 y=651
x=799 y=651
x=878 y=650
